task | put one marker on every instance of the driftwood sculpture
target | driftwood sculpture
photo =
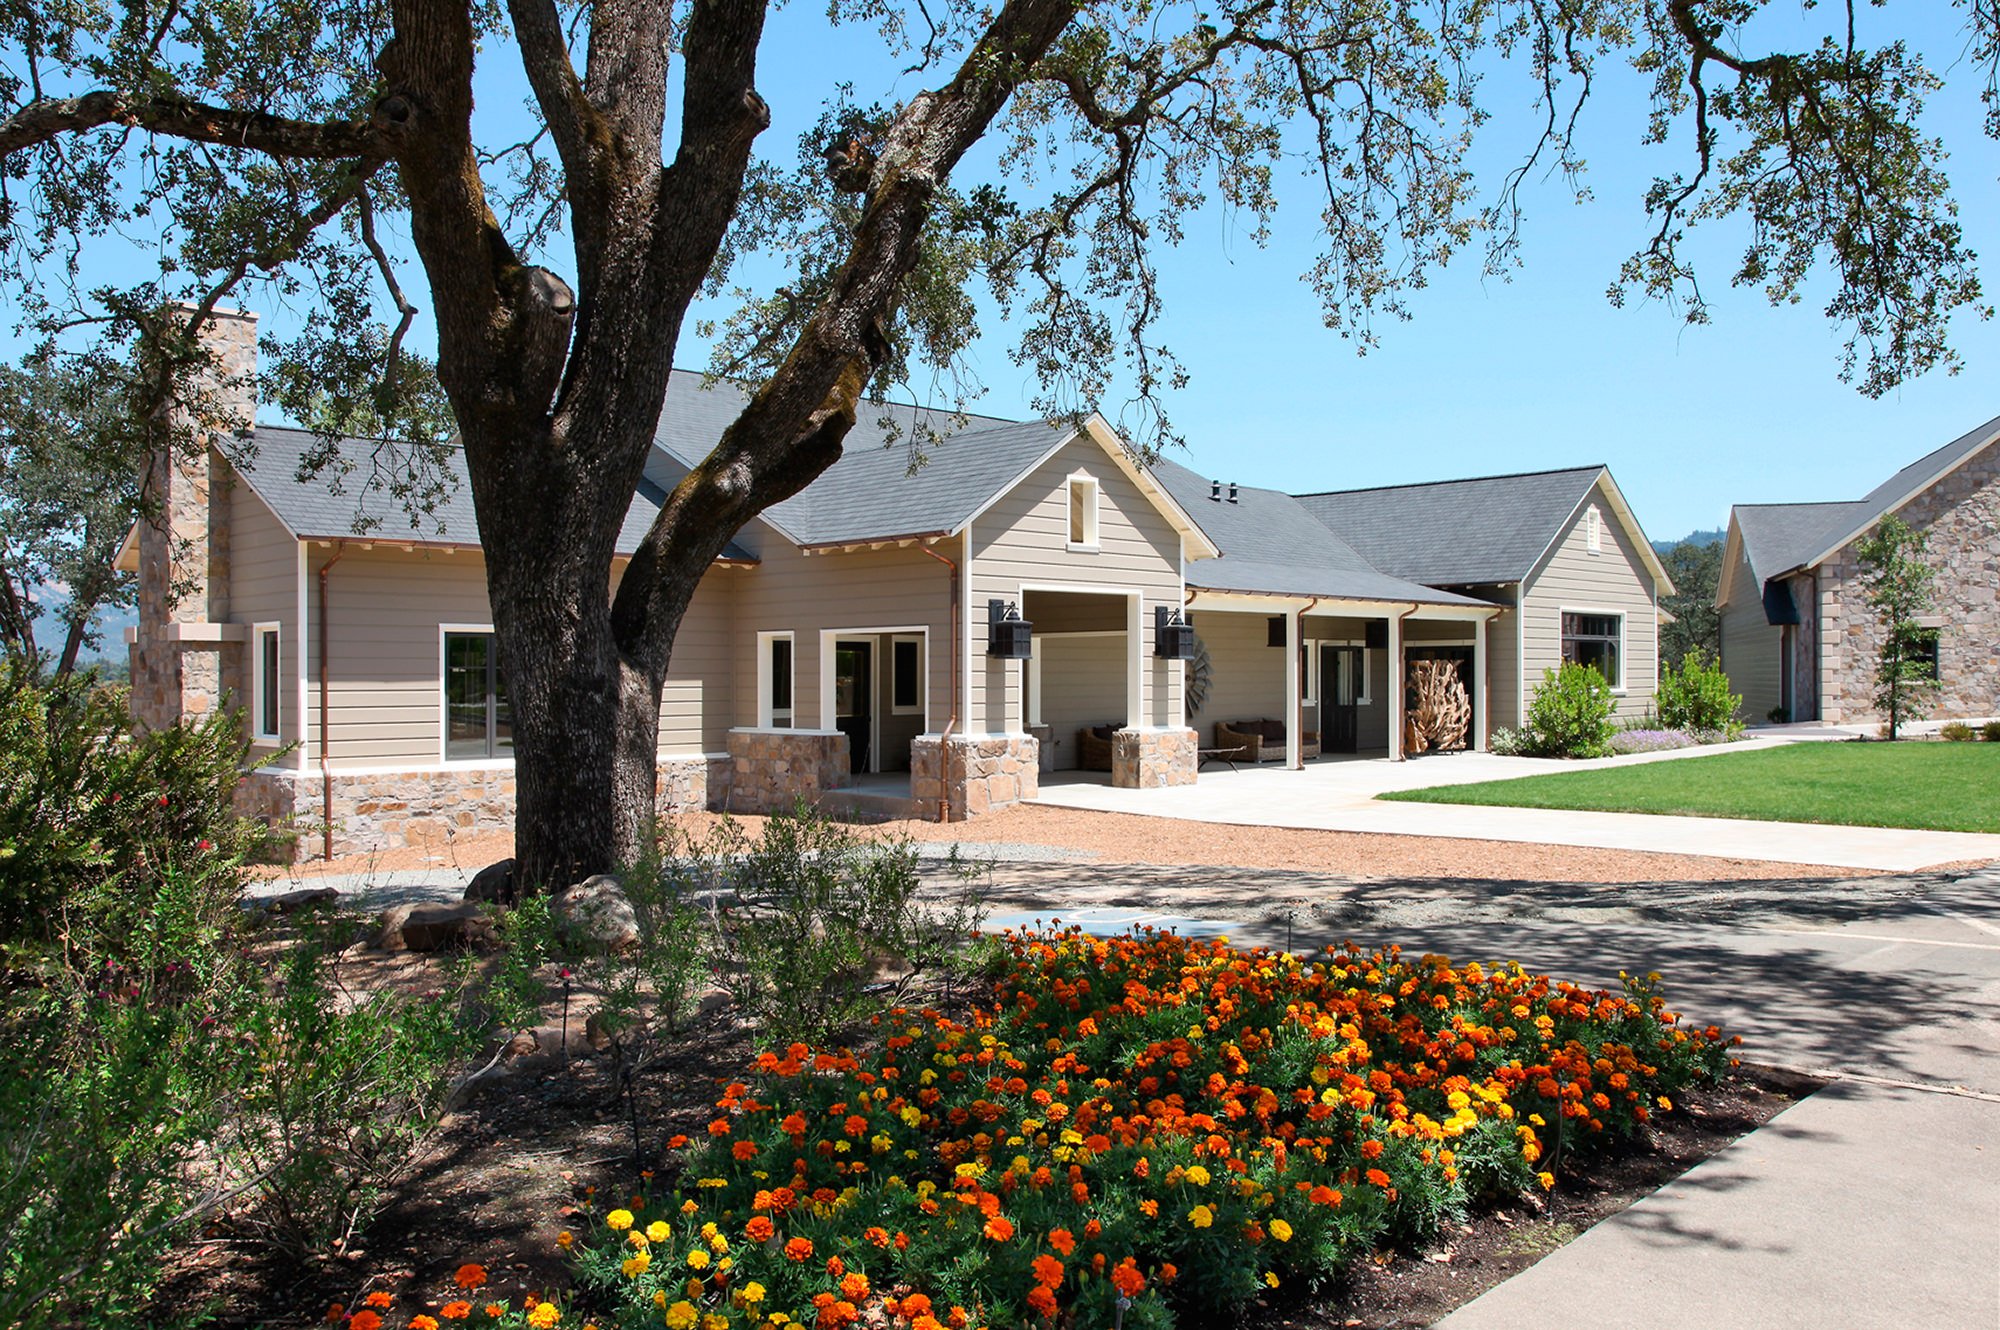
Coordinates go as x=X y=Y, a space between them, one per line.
x=1441 y=715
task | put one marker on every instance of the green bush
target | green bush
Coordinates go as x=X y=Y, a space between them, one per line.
x=1957 y=731
x=1570 y=713
x=88 y=808
x=1695 y=696
x=1990 y=731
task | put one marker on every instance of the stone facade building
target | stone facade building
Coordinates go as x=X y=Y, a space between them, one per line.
x=1799 y=639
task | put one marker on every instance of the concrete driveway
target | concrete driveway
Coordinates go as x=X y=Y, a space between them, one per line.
x=1875 y=1202
x=1338 y=794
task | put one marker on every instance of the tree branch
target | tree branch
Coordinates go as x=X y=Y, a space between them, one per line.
x=276 y=136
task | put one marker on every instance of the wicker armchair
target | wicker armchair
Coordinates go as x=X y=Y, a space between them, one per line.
x=1093 y=747
x=1237 y=745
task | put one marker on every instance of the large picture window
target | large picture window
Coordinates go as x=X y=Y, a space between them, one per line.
x=478 y=723
x=1596 y=640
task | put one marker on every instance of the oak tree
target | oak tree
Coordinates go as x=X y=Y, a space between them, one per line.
x=289 y=143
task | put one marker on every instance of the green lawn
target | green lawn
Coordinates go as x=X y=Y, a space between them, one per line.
x=1927 y=786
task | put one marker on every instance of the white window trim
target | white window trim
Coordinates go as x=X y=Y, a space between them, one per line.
x=257 y=690
x=1093 y=530
x=767 y=715
x=444 y=715
x=923 y=673
x=1624 y=632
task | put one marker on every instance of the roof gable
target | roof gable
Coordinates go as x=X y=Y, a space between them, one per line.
x=1488 y=529
x=1778 y=537
x=1902 y=487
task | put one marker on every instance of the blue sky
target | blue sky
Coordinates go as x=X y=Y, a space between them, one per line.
x=1531 y=372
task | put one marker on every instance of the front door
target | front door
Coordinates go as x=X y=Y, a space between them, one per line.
x=1340 y=698
x=854 y=699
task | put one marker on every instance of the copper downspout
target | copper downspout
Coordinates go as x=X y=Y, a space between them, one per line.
x=325 y=772
x=944 y=740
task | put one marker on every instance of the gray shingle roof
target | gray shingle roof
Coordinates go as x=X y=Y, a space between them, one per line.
x=1272 y=546
x=1457 y=532
x=1778 y=537
x=339 y=505
x=871 y=493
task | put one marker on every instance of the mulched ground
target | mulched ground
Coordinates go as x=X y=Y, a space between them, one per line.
x=515 y=1164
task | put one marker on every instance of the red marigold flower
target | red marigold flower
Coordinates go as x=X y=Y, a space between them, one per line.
x=469 y=1275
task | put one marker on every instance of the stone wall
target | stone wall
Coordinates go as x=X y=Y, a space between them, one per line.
x=1960 y=516
x=769 y=770
x=975 y=776
x=1148 y=759
x=692 y=784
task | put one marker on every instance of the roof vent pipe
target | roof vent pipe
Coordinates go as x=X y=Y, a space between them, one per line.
x=1214 y=491
x=1232 y=491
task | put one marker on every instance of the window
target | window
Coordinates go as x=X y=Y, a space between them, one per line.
x=774 y=680
x=478 y=723
x=1082 y=512
x=1596 y=640
x=265 y=688
x=1923 y=652
x=906 y=676
x=1593 y=532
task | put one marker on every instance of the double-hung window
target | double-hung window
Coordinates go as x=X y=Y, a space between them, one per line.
x=478 y=723
x=1596 y=640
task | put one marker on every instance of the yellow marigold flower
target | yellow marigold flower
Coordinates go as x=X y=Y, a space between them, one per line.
x=698 y=1259
x=1281 y=1230
x=1198 y=1176
x=751 y=1294
x=658 y=1231
x=715 y=1321
x=681 y=1316
x=718 y=1242
x=1201 y=1216
x=1547 y=1180
x=1271 y=1278
x=565 y=1239
x=635 y=1265
x=618 y=1220
x=544 y=1315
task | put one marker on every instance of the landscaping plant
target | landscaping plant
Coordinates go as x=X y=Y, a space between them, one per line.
x=1694 y=696
x=1140 y=1131
x=1897 y=581
x=1570 y=714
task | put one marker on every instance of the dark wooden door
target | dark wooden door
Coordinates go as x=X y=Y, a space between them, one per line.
x=854 y=698
x=1340 y=698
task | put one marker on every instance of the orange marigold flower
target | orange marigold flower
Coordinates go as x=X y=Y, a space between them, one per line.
x=1377 y=1177
x=379 y=1299
x=469 y=1276
x=744 y=1150
x=855 y=1286
x=334 y=1313
x=365 y=1321
x=760 y=1228
x=1168 y=1270
x=1042 y=1301
x=799 y=1249
x=793 y=1125
x=1048 y=1270
x=1371 y=1149
x=999 y=1228
x=1127 y=1278
x=455 y=1311
x=1062 y=1240
x=423 y=1323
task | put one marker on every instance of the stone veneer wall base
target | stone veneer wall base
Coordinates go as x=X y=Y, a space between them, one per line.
x=977 y=775
x=1152 y=759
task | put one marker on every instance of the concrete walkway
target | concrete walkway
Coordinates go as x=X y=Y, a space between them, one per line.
x=1339 y=795
x=1875 y=1202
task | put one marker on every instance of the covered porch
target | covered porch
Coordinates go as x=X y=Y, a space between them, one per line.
x=1319 y=678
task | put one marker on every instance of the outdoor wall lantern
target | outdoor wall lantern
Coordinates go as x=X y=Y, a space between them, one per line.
x=1008 y=635
x=1173 y=635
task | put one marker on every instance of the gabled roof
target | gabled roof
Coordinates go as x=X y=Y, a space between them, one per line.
x=1488 y=529
x=872 y=493
x=311 y=510
x=1899 y=489
x=1779 y=537
x=1272 y=546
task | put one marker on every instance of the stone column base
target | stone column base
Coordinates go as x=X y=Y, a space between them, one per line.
x=692 y=784
x=1150 y=759
x=770 y=770
x=975 y=776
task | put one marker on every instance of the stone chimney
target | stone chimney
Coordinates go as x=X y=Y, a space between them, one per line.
x=186 y=652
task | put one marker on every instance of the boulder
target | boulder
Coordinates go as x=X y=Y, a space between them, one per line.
x=433 y=927
x=291 y=902
x=596 y=915
x=495 y=882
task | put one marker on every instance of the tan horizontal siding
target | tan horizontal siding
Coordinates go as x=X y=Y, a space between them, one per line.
x=264 y=588
x=1751 y=652
x=1023 y=539
x=1614 y=581
x=697 y=703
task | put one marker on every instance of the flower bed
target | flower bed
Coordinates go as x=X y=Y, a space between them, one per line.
x=1627 y=742
x=1134 y=1129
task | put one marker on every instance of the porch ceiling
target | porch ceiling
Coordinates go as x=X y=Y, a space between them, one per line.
x=1266 y=603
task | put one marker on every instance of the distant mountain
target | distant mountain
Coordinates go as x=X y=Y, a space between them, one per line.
x=1715 y=537
x=49 y=633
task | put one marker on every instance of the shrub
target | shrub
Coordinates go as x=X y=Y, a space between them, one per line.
x=1779 y=715
x=1695 y=695
x=1570 y=713
x=1159 y=1119
x=1511 y=743
x=1651 y=741
x=1990 y=731
x=1957 y=731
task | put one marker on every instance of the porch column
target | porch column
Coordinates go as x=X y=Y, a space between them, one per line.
x=1135 y=661
x=1294 y=709
x=1395 y=686
x=1480 y=684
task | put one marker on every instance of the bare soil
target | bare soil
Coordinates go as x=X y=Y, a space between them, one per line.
x=1130 y=838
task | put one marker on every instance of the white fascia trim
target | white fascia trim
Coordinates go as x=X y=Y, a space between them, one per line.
x=1626 y=519
x=1993 y=436
x=306 y=719
x=1732 y=550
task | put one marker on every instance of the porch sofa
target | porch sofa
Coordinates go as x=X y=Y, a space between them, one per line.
x=1260 y=741
x=1093 y=747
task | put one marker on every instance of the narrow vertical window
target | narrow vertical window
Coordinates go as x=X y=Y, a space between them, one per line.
x=1083 y=512
x=906 y=677
x=478 y=723
x=265 y=688
x=774 y=680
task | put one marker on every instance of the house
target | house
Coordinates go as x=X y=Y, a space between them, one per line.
x=947 y=632
x=1560 y=551
x=1799 y=641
